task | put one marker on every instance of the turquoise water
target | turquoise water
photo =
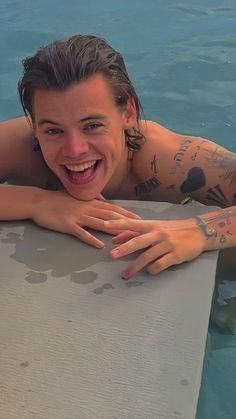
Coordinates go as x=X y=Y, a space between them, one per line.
x=181 y=56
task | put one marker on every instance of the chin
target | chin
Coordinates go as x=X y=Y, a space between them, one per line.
x=84 y=195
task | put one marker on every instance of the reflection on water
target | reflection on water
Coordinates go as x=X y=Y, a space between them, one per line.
x=223 y=314
x=217 y=396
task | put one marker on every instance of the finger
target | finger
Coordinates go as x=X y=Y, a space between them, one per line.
x=130 y=214
x=125 y=212
x=103 y=215
x=124 y=236
x=97 y=224
x=111 y=232
x=107 y=215
x=161 y=264
x=128 y=224
x=150 y=255
x=88 y=238
x=137 y=243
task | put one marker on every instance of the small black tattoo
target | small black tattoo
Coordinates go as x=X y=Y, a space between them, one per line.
x=182 y=150
x=216 y=195
x=194 y=156
x=195 y=180
x=154 y=164
x=147 y=186
x=178 y=157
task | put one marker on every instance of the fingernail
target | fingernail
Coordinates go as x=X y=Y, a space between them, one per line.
x=100 y=245
x=125 y=276
x=114 y=253
x=106 y=222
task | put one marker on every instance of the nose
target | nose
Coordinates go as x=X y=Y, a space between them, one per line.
x=75 y=145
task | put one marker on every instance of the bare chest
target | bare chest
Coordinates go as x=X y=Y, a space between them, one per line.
x=141 y=189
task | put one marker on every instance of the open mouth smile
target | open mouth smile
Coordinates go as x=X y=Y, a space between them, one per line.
x=83 y=173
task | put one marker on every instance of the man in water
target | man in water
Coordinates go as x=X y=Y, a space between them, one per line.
x=84 y=113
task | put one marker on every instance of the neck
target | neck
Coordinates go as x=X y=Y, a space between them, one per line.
x=119 y=177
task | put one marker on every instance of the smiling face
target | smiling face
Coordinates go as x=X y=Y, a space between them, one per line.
x=81 y=135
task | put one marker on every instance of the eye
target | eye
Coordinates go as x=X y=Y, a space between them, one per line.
x=53 y=131
x=93 y=126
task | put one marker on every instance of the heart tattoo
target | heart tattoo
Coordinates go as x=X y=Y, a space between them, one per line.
x=196 y=179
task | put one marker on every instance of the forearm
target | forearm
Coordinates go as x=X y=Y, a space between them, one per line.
x=218 y=228
x=18 y=202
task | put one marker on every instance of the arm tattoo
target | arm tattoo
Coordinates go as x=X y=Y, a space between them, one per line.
x=208 y=233
x=154 y=164
x=216 y=195
x=195 y=180
x=222 y=219
x=179 y=155
x=147 y=186
x=226 y=161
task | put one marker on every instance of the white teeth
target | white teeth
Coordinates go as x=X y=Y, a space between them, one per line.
x=80 y=167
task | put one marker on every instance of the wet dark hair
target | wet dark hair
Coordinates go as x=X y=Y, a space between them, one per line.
x=63 y=63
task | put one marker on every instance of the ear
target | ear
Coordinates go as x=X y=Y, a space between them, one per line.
x=130 y=114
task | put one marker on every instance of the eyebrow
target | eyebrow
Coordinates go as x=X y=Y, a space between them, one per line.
x=85 y=119
x=93 y=116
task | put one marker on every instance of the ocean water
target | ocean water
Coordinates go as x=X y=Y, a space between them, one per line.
x=181 y=56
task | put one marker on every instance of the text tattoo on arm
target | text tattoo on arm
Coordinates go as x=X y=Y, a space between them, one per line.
x=179 y=155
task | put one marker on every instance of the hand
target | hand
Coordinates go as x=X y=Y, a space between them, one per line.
x=164 y=243
x=61 y=212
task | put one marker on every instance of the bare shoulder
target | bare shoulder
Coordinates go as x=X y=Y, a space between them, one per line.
x=172 y=166
x=157 y=151
x=18 y=161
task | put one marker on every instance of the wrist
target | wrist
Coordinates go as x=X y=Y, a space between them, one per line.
x=218 y=228
x=210 y=233
x=37 y=198
x=19 y=202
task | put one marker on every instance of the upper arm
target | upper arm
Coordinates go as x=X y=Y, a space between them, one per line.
x=14 y=135
x=212 y=175
x=187 y=166
x=18 y=162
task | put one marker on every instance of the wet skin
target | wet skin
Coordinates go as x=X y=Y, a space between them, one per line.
x=81 y=134
x=83 y=125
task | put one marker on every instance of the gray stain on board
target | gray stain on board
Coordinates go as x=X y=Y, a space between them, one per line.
x=24 y=364
x=36 y=277
x=100 y=290
x=84 y=277
x=184 y=382
x=46 y=252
